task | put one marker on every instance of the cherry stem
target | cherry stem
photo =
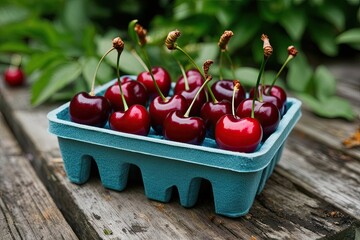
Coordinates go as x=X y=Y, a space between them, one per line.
x=187 y=113
x=256 y=91
x=289 y=58
x=148 y=64
x=202 y=74
x=221 y=65
x=96 y=70
x=236 y=88
x=183 y=72
x=231 y=64
x=138 y=58
x=119 y=83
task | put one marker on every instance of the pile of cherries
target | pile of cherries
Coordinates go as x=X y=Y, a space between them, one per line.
x=189 y=112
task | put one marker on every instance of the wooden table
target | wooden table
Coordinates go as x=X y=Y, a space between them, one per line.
x=313 y=193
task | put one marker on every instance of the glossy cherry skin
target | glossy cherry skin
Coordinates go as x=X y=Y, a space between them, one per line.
x=162 y=78
x=278 y=92
x=238 y=134
x=134 y=93
x=200 y=100
x=159 y=109
x=211 y=112
x=223 y=89
x=135 y=120
x=271 y=99
x=89 y=110
x=14 y=77
x=266 y=113
x=194 y=80
x=184 y=129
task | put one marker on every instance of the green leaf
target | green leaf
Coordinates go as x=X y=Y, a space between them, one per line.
x=12 y=13
x=294 y=23
x=333 y=107
x=75 y=15
x=299 y=75
x=245 y=30
x=247 y=75
x=333 y=14
x=131 y=31
x=41 y=60
x=52 y=80
x=14 y=46
x=324 y=36
x=104 y=74
x=325 y=83
x=349 y=36
x=206 y=51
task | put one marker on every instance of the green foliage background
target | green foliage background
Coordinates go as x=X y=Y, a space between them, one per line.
x=61 y=41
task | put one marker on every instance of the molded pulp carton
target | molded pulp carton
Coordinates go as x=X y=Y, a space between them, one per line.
x=236 y=178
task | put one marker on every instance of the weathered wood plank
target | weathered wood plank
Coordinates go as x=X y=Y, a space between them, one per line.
x=281 y=211
x=26 y=209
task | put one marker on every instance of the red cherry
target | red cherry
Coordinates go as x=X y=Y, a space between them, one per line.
x=278 y=92
x=271 y=99
x=159 y=109
x=162 y=78
x=14 y=76
x=89 y=110
x=200 y=100
x=238 y=134
x=223 y=89
x=211 y=112
x=179 y=128
x=135 y=120
x=134 y=93
x=194 y=79
x=266 y=113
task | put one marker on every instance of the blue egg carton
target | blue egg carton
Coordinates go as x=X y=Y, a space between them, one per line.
x=236 y=178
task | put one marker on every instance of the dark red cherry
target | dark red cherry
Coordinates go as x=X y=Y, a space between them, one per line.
x=223 y=89
x=89 y=110
x=211 y=112
x=200 y=100
x=135 y=120
x=179 y=128
x=194 y=79
x=14 y=76
x=278 y=92
x=134 y=93
x=162 y=78
x=266 y=113
x=159 y=109
x=238 y=134
x=271 y=99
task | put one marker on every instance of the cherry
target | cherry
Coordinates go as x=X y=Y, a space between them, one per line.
x=135 y=120
x=180 y=128
x=238 y=134
x=134 y=93
x=268 y=98
x=14 y=76
x=194 y=79
x=160 y=108
x=211 y=112
x=266 y=113
x=89 y=110
x=223 y=89
x=162 y=78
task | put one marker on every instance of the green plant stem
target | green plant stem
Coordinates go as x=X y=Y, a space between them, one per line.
x=221 y=65
x=289 y=58
x=263 y=62
x=201 y=72
x=187 y=113
x=96 y=70
x=231 y=64
x=138 y=58
x=119 y=83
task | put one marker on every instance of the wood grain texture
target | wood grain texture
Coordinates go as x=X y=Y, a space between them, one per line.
x=293 y=204
x=26 y=208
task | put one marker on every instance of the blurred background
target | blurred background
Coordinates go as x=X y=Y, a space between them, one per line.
x=61 y=41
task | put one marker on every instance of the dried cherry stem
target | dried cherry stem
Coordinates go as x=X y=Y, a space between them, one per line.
x=292 y=53
x=223 y=42
x=92 y=93
x=236 y=88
